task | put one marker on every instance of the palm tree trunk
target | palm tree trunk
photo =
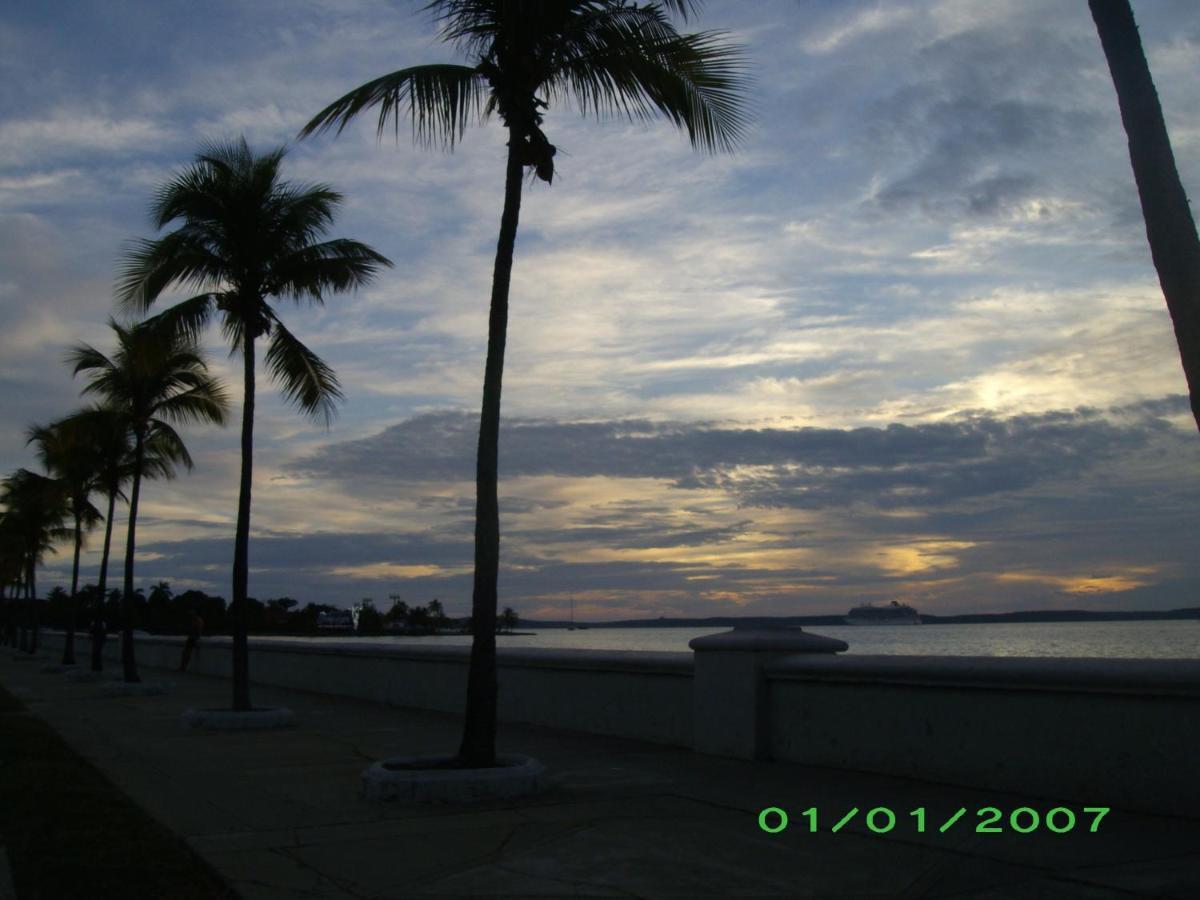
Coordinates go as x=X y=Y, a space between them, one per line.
x=99 y=632
x=1169 y=224
x=241 y=544
x=34 y=618
x=68 y=656
x=128 y=662
x=23 y=589
x=478 y=748
x=9 y=636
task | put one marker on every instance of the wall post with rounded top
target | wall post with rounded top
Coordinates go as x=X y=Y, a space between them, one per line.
x=729 y=694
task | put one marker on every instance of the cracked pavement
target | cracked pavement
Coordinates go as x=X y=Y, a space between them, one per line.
x=280 y=814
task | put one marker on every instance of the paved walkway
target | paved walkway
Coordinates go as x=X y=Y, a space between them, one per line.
x=280 y=814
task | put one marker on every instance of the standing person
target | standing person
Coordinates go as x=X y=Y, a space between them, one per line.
x=195 y=629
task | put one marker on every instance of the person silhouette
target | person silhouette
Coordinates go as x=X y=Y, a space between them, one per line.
x=195 y=629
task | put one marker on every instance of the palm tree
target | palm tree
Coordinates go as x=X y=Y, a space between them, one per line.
x=244 y=237
x=65 y=452
x=161 y=593
x=609 y=56
x=1169 y=225
x=10 y=579
x=34 y=510
x=156 y=377
x=110 y=442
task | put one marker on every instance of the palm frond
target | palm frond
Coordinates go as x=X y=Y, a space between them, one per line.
x=89 y=517
x=441 y=100
x=683 y=8
x=336 y=265
x=301 y=213
x=233 y=329
x=307 y=381
x=694 y=80
x=187 y=318
x=207 y=401
x=86 y=358
x=181 y=257
x=164 y=450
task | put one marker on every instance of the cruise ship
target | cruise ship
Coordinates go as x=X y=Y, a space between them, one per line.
x=894 y=614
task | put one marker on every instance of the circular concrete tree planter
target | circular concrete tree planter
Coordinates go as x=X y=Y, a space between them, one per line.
x=58 y=668
x=83 y=675
x=428 y=779
x=239 y=720
x=131 y=689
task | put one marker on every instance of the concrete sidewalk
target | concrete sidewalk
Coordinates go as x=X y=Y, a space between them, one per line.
x=280 y=814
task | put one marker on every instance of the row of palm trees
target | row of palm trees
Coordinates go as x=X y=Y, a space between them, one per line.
x=153 y=381
x=243 y=238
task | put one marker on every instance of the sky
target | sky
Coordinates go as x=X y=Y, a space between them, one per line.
x=907 y=343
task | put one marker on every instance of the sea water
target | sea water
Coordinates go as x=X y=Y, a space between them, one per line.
x=1173 y=639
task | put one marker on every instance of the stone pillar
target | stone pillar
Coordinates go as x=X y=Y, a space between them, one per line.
x=729 y=692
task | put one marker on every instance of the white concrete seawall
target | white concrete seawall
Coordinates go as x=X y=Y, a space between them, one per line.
x=1098 y=732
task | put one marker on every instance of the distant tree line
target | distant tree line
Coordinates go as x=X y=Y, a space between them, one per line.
x=429 y=619
x=162 y=611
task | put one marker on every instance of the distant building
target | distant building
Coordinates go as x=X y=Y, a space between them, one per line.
x=338 y=620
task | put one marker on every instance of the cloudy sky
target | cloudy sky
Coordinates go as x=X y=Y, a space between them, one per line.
x=906 y=344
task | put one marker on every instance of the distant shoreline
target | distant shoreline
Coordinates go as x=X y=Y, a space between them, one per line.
x=1061 y=615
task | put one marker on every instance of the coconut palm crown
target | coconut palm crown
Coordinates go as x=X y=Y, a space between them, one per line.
x=244 y=237
x=608 y=57
x=155 y=380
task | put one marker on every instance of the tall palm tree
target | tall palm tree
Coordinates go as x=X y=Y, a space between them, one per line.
x=66 y=454
x=156 y=377
x=609 y=56
x=34 y=510
x=244 y=238
x=1170 y=227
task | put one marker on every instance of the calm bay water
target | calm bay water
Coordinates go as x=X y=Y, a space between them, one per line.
x=1179 y=639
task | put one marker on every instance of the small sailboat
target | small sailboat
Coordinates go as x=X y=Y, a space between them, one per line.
x=573 y=625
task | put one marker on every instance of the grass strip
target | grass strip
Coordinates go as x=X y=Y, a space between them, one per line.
x=70 y=833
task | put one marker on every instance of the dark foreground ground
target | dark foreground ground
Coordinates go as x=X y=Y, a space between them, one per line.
x=280 y=814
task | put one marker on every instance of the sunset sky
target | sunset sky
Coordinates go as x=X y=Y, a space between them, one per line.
x=906 y=344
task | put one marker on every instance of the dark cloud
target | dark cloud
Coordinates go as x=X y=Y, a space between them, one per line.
x=968 y=130
x=913 y=466
x=318 y=551
x=1027 y=505
x=638 y=535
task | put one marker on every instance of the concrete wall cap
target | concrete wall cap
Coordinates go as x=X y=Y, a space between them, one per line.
x=663 y=662
x=1033 y=673
x=774 y=640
